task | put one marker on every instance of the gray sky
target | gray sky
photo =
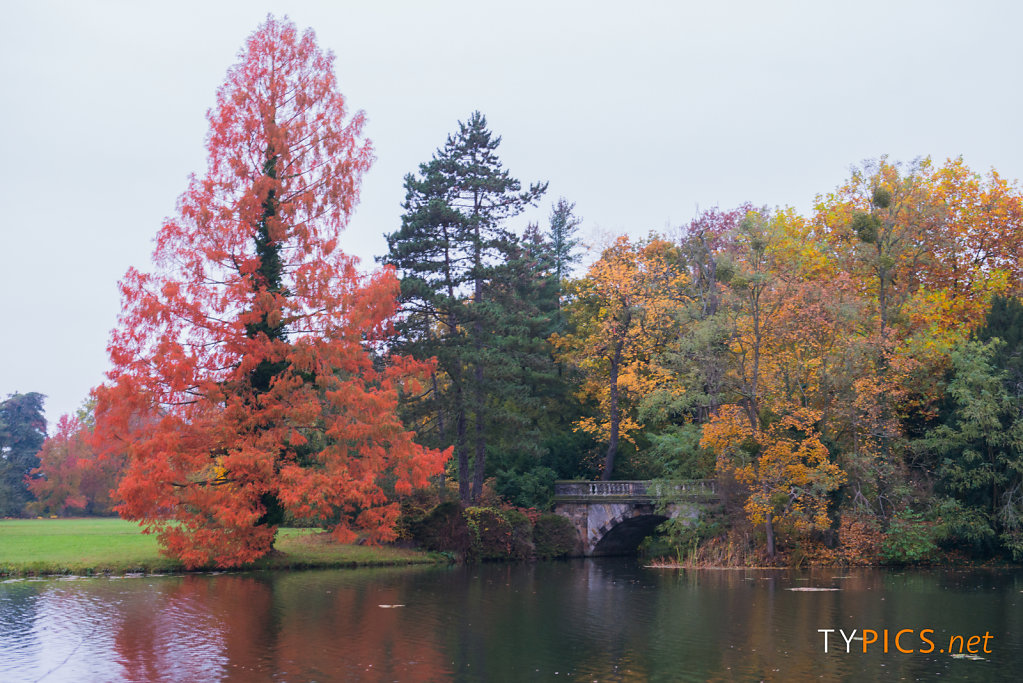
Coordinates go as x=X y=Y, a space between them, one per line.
x=639 y=115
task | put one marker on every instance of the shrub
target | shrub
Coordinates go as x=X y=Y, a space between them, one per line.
x=909 y=540
x=859 y=538
x=531 y=488
x=554 y=536
x=490 y=534
x=521 y=546
x=967 y=528
x=442 y=528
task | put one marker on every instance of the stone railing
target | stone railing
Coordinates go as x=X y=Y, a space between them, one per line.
x=633 y=489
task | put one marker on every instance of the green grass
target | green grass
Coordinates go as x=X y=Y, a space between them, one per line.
x=101 y=545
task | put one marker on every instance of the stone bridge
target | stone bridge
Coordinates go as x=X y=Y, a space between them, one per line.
x=612 y=517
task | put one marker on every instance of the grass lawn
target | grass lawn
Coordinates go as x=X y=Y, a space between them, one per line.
x=98 y=545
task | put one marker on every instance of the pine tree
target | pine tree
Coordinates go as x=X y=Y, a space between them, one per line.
x=564 y=226
x=22 y=431
x=451 y=252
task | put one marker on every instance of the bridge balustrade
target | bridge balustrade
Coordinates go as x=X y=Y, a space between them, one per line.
x=633 y=489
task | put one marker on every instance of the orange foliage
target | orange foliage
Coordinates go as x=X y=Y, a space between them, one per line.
x=859 y=543
x=74 y=476
x=785 y=467
x=947 y=242
x=622 y=312
x=238 y=397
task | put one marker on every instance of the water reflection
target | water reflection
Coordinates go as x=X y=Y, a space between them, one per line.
x=582 y=620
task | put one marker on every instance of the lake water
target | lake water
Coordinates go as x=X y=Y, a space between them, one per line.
x=581 y=620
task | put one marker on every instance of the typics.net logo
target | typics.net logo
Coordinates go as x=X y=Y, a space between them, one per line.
x=907 y=641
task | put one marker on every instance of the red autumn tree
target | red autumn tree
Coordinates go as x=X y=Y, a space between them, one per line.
x=57 y=482
x=244 y=383
x=71 y=478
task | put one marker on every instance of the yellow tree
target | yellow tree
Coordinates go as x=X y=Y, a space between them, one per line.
x=815 y=310
x=783 y=337
x=929 y=246
x=785 y=467
x=977 y=255
x=619 y=314
x=885 y=225
x=755 y=299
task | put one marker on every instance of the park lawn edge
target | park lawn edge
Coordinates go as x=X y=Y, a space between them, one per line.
x=295 y=549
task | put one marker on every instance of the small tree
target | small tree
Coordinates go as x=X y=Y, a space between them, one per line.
x=785 y=468
x=72 y=477
x=244 y=386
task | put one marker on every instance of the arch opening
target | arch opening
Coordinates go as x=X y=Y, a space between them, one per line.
x=625 y=536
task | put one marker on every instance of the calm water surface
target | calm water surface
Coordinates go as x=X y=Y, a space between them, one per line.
x=606 y=620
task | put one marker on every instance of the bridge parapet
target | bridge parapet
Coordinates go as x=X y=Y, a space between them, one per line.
x=634 y=490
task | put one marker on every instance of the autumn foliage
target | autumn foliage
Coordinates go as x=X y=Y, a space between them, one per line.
x=71 y=477
x=818 y=360
x=621 y=314
x=785 y=467
x=245 y=387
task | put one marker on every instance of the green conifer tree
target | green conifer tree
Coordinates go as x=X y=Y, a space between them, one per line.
x=22 y=432
x=453 y=253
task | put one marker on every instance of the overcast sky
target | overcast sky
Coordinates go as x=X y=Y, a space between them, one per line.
x=640 y=113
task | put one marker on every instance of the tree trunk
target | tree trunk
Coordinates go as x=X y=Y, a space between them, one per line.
x=769 y=528
x=438 y=407
x=882 y=286
x=615 y=417
x=480 y=462
x=752 y=401
x=460 y=447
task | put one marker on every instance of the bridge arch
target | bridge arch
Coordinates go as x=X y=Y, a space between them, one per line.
x=625 y=535
x=613 y=517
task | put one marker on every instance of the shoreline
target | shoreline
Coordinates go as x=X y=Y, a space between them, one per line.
x=10 y=574
x=811 y=567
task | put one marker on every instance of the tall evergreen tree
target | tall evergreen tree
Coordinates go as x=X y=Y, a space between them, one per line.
x=22 y=432
x=452 y=253
x=564 y=226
